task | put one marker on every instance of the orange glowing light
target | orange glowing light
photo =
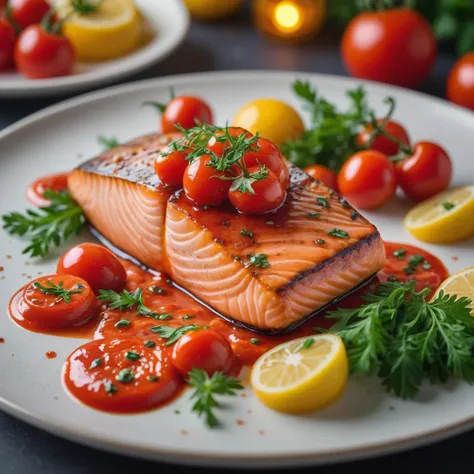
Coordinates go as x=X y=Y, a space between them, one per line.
x=287 y=16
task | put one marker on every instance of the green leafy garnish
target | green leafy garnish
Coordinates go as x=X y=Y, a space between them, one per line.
x=127 y=300
x=404 y=339
x=85 y=7
x=415 y=260
x=258 y=260
x=400 y=253
x=323 y=202
x=95 y=363
x=254 y=341
x=123 y=323
x=314 y=215
x=125 y=376
x=110 y=388
x=246 y=233
x=332 y=136
x=306 y=344
x=341 y=234
x=47 y=226
x=108 y=143
x=150 y=344
x=320 y=241
x=206 y=388
x=448 y=206
x=58 y=290
x=173 y=334
x=132 y=355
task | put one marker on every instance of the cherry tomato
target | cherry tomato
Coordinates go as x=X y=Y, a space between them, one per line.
x=382 y=143
x=425 y=173
x=39 y=54
x=324 y=174
x=95 y=264
x=170 y=167
x=53 y=311
x=395 y=46
x=121 y=375
x=202 y=184
x=55 y=182
x=268 y=155
x=368 y=179
x=203 y=349
x=184 y=111
x=219 y=147
x=7 y=44
x=460 y=88
x=269 y=195
x=28 y=12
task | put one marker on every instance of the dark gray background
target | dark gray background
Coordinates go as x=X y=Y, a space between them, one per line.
x=221 y=46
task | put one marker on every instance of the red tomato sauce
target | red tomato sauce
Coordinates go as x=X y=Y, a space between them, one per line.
x=51 y=355
x=55 y=182
x=127 y=368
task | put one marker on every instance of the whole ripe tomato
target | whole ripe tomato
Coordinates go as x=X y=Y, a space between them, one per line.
x=28 y=12
x=95 y=264
x=394 y=46
x=41 y=54
x=460 y=88
x=202 y=183
x=49 y=310
x=323 y=174
x=203 y=349
x=268 y=196
x=7 y=44
x=218 y=143
x=184 y=111
x=368 y=179
x=170 y=167
x=382 y=143
x=426 y=172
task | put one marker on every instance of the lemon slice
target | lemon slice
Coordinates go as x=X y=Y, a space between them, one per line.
x=460 y=284
x=444 y=218
x=301 y=376
x=114 y=30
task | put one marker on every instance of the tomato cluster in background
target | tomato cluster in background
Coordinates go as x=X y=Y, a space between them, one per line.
x=31 y=40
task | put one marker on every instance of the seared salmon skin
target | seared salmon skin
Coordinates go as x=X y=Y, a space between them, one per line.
x=266 y=272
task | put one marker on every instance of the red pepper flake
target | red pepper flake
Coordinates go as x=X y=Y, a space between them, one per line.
x=240 y=422
x=1 y=268
x=51 y=355
x=9 y=257
x=455 y=259
x=243 y=395
x=249 y=412
x=261 y=433
x=2 y=340
x=184 y=432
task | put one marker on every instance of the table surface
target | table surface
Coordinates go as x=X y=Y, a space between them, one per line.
x=224 y=46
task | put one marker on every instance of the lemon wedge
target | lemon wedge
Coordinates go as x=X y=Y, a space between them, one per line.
x=300 y=376
x=460 y=284
x=444 y=218
x=113 y=30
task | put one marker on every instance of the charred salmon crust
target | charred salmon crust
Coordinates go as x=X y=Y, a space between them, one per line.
x=265 y=272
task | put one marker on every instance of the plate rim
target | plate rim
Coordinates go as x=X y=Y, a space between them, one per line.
x=186 y=455
x=145 y=57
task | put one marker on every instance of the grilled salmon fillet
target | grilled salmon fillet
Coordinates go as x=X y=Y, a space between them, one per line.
x=267 y=272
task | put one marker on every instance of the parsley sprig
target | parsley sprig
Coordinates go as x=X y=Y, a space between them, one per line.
x=206 y=389
x=58 y=290
x=400 y=337
x=47 y=226
x=127 y=300
x=173 y=334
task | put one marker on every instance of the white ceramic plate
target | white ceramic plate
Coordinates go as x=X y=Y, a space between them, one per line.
x=365 y=422
x=168 y=19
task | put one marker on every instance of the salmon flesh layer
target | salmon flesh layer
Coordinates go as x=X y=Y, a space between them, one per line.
x=266 y=272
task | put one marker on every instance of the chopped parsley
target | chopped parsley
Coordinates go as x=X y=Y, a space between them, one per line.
x=323 y=202
x=426 y=266
x=320 y=241
x=125 y=376
x=448 y=205
x=255 y=341
x=123 y=323
x=132 y=355
x=150 y=344
x=246 y=233
x=341 y=234
x=108 y=143
x=306 y=344
x=344 y=202
x=315 y=215
x=355 y=215
x=157 y=290
x=173 y=334
x=153 y=378
x=258 y=260
x=400 y=253
x=415 y=260
x=187 y=317
x=110 y=388
x=95 y=363
x=409 y=270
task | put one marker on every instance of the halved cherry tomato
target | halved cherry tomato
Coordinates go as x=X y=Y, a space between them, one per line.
x=170 y=167
x=7 y=44
x=324 y=174
x=382 y=143
x=396 y=46
x=268 y=154
x=426 y=172
x=218 y=145
x=54 y=311
x=40 y=54
x=183 y=110
x=121 y=376
x=368 y=179
x=95 y=264
x=202 y=183
x=54 y=182
x=204 y=349
x=268 y=195
x=28 y=12
x=460 y=88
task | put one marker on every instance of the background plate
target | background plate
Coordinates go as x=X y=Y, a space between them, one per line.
x=169 y=20
x=364 y=422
